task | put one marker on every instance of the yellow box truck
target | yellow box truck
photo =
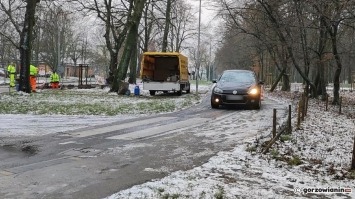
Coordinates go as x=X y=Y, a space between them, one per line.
x=165 y=71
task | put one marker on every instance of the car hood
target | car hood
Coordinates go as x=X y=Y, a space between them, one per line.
x=234 y=85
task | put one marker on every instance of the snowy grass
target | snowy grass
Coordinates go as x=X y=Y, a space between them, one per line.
x=94 y=102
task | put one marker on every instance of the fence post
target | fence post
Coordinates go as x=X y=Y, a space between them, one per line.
x=306 y=105
x=353 y=160
x=303 y=106
x=299 y=115
x=289 y=120
x=326 y=103
x=274 y=124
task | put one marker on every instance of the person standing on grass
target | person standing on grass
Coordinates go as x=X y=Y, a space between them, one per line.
x=55 y=79
x=33 y=77
x=11 y=70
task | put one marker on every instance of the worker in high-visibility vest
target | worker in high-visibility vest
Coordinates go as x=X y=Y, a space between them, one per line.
x=11 y=70
x=33 y=77
x=55 y=79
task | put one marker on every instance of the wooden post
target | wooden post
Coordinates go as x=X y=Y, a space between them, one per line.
x=306 y=106
x=273 y=140
x=299 y=115
x=353 y=160
x=340 y=102
x=274 y=124
x=326 y=103
x=303 y=107
x=289 y=120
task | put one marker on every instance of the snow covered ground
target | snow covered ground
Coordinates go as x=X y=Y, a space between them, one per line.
x=318 y=156
x=44 y=109
x=312 y=162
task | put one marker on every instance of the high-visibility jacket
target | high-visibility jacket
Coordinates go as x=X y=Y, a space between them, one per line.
x=54 y=77
x=11 y=69
x=33 y=70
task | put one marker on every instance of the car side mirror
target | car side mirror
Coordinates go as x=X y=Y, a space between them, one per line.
x=214 y=81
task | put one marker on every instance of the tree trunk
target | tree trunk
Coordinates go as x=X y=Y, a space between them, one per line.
x=321 y=84
x=133 y=62
x=285 y=75
x=286 y=82
x=131 y=42
x=303 y=34
x=337 y=71
x=147 y=29
x=277 y=80
x=113 y=38
x=26 y=39
x=167 y=24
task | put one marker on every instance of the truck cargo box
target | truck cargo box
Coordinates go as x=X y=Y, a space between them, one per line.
x=165 y=71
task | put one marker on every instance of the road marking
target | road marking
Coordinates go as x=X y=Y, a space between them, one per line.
x=159 y=129
x=38 y=165
x=106 y=129
x=70 y=142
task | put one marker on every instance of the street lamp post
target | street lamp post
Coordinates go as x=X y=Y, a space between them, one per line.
x=198 y=47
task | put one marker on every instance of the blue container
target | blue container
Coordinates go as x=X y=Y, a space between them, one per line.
x=136 y=91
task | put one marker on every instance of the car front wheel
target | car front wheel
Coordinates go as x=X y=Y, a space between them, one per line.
x=256 y=105
x=214 y=105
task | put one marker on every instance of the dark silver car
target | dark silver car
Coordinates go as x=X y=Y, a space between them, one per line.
x=237 y=87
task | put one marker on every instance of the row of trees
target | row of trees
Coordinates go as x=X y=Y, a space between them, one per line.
x=288 y=40
x=59 y=31
x=308 y=40
x=34 y=32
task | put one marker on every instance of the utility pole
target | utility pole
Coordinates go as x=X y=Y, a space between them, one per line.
x=210 y=63
x=198 y=47
x=58 y=48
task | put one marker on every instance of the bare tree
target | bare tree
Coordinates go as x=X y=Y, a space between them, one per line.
x=182 y=25
x=55 y=35
x=13 y=9
x=131 y=42
x=167 y=25
x=332 y=15
x=26 y=45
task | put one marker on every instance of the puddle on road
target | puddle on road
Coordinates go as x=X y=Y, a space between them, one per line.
x=25 y=150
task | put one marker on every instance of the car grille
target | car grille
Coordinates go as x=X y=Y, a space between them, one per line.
x=239 y=92
x=234 y=99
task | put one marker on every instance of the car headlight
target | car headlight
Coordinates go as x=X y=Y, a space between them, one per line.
x=253 y=91
x=218 y=90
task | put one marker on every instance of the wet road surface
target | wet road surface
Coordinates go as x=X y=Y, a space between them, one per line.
x=98 y=161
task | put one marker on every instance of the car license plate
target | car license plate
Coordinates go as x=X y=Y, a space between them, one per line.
x=234 y=97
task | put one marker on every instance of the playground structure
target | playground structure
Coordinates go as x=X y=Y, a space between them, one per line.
x=83 y=77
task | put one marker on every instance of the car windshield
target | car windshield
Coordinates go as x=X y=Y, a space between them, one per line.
x=237 y=76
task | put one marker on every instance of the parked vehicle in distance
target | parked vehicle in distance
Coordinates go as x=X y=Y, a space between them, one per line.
x=165 y=71
x=237 y=87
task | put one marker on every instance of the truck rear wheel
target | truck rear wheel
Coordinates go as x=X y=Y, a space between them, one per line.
x=152 y=92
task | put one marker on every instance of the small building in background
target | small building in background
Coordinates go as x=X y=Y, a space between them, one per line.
x=73 y=71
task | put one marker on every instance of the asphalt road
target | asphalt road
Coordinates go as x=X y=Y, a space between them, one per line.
x=100 y=161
